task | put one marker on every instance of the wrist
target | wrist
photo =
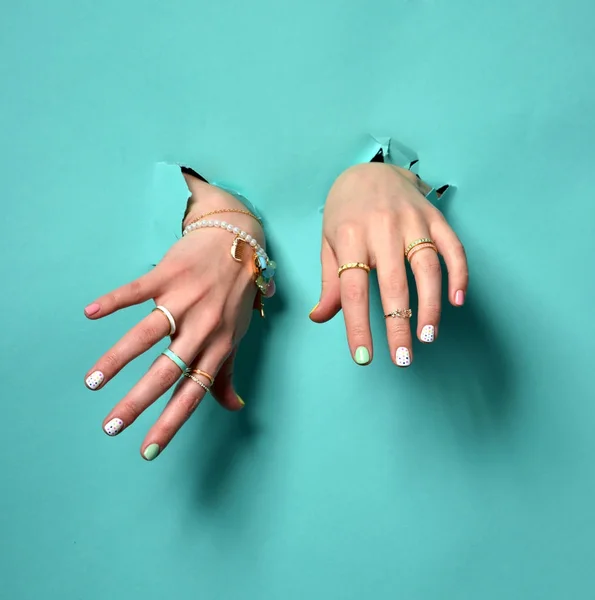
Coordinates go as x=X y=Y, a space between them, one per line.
x=214 y=203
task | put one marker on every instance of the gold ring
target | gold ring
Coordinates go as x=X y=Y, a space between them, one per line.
x=204 y=374
x=354 y=265
x=421 y=247
x=204 y=386
x=401 y=313
x=417 y=243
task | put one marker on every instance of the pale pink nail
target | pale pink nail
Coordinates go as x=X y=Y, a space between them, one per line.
x=92 y=309
x=460 y=298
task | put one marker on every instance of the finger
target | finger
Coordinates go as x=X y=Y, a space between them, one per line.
x=136 y=292
x=428 y=278
x=330 y=298
x=162 y=375
x=223 y=389
x=394 y=291
x=183 y=403
x=452 y=250
x=355 y=297
x=139 y=339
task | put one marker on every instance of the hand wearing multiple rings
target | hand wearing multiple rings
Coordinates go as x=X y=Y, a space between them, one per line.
x=205 y=301
x=376 y=216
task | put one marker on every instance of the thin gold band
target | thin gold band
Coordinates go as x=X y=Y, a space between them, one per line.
x=204 y=374
x=226 y=210
x=204 y=386
x=421 y=247
x=353 y=265
x=417 y=243
x=400 y=313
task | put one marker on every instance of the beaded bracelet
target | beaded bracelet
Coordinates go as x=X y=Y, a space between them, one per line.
x=264 y=267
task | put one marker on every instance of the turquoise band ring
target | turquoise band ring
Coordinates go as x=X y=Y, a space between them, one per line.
x=175 y=359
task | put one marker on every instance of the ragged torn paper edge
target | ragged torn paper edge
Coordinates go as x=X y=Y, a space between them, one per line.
x=167 y=200
x=386 y=150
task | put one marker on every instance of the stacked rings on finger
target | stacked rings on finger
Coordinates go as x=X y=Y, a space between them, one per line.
x=175 y=359
x=204 y=374
x=189 y=375
x=417 y=245
x=353 y=265
x=169 y=316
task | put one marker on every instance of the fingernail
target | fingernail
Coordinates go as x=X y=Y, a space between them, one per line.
x=427 y=334
x=317 y=305
x=92 y=309
x=240 y=400
x=460 y=298
x=95 y=380
x=362 y=356
x=113 y=427
x=403 y=357
x=151 y=451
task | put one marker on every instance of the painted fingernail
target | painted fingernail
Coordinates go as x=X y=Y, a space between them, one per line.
x=427 y=334
x=362 y=356
x=403 y=357
x=240 y=400
x=95 y=380
x=113 y=427
x=317 y=305
x=151 y=451
x=460 y=298
x=92 y=309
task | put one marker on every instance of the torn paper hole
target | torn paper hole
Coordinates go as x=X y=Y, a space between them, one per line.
x=166 y=204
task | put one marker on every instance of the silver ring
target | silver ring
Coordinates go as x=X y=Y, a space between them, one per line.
x=170 y=318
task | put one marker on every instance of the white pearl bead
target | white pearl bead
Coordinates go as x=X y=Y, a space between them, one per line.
x=236 y=230
x=223 y=224
x=253 y=242
x=216 y=223
x=230 y=228
x=209 y=223
x=248 y=238
x=203 y=223
x=243 y=235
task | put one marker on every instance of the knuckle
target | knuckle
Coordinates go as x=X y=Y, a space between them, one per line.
x=130 y=409
x=167 y=376
x=187 y=401
x=429 y=266
x=395 y=283
x=347 y=233
x=354 y=293
x=112 y=361
x=147 y=336
x=399 y=328
x=358 y=331
x=213 y=318
x=432 y=309
x=135 y=290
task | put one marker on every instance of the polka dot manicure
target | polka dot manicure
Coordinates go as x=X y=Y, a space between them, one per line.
x=427 y=334
x=113 y=427
x=95 y=380
x=403 y=357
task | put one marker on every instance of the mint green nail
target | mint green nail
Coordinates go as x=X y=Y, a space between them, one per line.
x=151 y=451
x=362 y=356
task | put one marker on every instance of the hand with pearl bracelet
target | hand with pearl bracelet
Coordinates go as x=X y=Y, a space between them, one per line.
x=205 y=289
x=377 y=216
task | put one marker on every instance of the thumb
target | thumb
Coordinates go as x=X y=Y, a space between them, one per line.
x=222 y=390
x=330 y=297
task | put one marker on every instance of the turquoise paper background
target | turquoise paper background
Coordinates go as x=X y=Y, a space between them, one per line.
x=469 y=476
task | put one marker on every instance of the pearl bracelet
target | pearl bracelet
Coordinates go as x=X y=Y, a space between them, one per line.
x=229 y=227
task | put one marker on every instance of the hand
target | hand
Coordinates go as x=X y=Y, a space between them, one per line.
x=211 y=298
x=372 y=213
